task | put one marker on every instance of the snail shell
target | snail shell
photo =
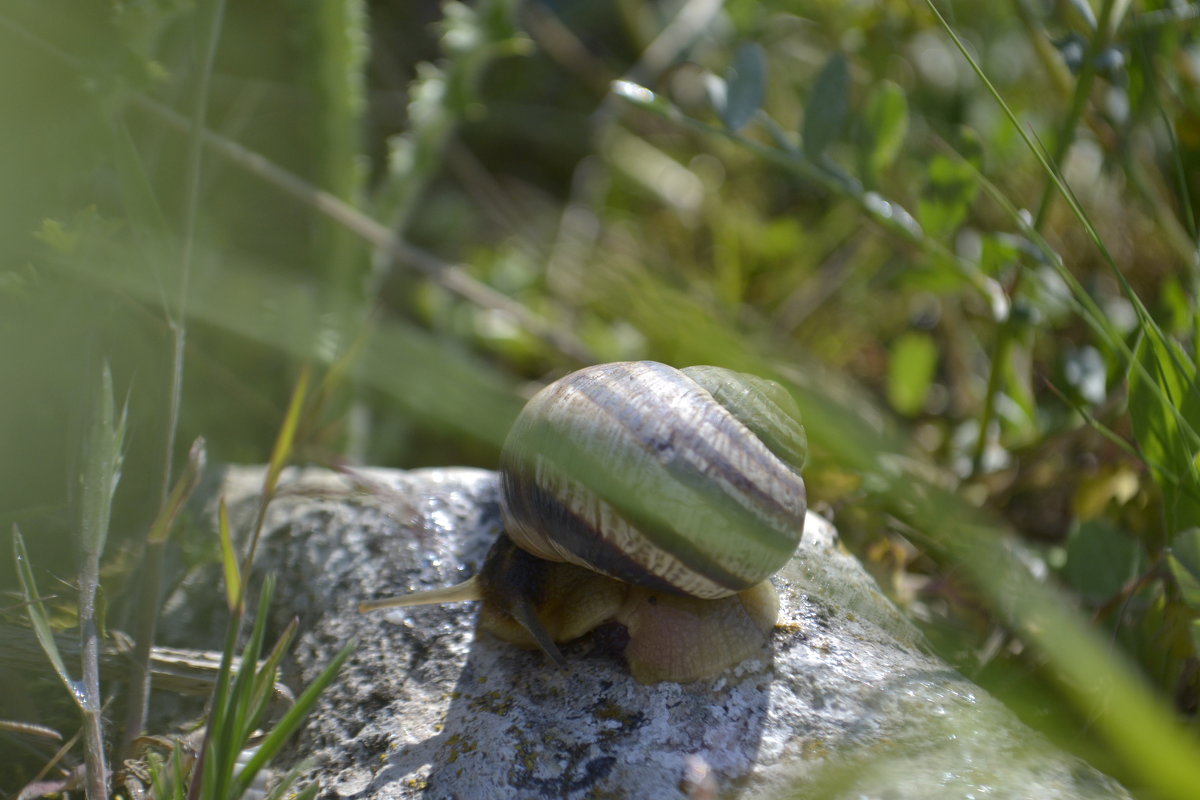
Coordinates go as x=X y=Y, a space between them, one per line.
x=639 y=471
x=655 y=498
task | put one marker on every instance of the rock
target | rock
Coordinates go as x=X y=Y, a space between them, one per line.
x=844 y=703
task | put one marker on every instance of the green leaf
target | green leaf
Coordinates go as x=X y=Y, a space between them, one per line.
x=828 y=107
x=53 y=233
x=911 y=367
x=38 y=617
x=745 y=86
x=1164 y=410
x=885 y=123
x=1184 y=559
x=1100 y=559
x=948 y=196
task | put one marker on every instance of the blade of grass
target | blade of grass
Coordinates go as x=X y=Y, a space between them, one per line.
x=1083 y=87
x=37 y=614
x=139 y=197
x=229 y=562
x=290 y=723
x=179 y=775
x=282 y=450
x=205 y=775
x=211 y=17
x=281 y=453
x=54 y=760
x=240 y=724
x=231 y=736
x=1143 y=314
x=219 y=751
x=263 y=690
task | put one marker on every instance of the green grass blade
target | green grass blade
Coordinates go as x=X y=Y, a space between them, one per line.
x=229 y=561
x=281 y=453
x=263 y=690
x=291 y=720
x=207 y=780
x=233 y=732
x=282 y=450
x=37 y=614
x=102 y=468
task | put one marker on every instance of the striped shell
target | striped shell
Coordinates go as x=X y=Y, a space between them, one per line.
x=658 y=477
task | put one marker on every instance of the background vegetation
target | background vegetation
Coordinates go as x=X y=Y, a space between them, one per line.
x=962 y=233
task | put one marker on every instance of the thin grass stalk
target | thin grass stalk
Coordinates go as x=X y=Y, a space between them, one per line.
x=1006 y=335
x=1095 y=318
x=176 y=318
x=89 y=691
x=451 y=277
x=1079 y=98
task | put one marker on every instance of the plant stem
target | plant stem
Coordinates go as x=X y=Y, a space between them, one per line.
x=101 y=469
x=89 y=646
x=139 y=682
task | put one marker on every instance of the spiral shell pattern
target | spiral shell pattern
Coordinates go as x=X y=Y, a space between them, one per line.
x=636 y=471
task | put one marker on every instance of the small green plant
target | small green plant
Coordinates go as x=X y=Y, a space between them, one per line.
x=246 y=685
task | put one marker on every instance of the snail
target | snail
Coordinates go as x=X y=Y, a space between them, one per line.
x=655 y=498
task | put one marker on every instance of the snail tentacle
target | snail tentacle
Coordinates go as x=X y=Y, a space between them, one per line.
x=458 y=593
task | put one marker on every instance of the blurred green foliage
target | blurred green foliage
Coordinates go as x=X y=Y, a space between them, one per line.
x=824 y=193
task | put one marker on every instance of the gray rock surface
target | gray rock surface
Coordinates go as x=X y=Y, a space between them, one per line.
x=843 y=704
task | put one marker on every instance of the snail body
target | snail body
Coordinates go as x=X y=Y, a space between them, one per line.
x=658 y=499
